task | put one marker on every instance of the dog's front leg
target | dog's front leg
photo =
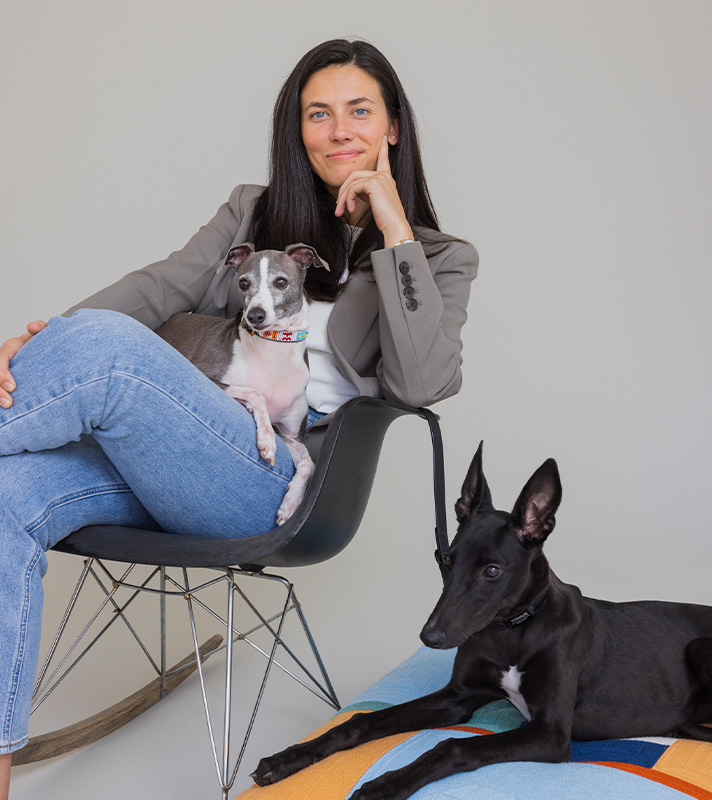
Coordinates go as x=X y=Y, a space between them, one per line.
x=446 y=707
x=256 y=404
x=549 y=689
x=535 y=741
x=298 y=485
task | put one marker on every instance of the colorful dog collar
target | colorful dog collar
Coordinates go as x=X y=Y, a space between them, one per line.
x=276 y=336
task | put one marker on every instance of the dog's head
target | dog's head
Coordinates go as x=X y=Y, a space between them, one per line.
x=490 y=564
x=271 y=282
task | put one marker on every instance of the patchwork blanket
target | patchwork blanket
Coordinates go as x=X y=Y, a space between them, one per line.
x=621 y=769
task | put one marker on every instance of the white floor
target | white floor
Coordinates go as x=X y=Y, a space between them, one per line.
x=365 y=608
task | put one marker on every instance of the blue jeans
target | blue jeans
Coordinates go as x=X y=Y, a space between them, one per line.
x=109 y=424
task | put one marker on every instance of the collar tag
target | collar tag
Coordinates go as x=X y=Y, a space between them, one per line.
x=502 y=623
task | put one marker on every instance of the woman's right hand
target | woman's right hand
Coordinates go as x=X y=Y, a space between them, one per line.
x=7 y=352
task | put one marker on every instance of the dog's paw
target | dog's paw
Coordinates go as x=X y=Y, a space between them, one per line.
x=267 y=444
x=381 y=788
x=280 y=766
x=290 y=504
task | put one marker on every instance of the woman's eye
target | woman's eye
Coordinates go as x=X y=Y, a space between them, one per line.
x=318 y=115
x=280 y=283
x=492 y=571
x=361 y=112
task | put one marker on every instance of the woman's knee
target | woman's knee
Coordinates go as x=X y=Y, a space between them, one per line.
x=101 y=323
x=96 y=332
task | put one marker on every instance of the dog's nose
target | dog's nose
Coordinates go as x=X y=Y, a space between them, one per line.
x=432 y=636
x=256 y=315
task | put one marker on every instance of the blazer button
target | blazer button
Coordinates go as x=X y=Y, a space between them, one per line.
x=404 y=267
x=406 y=279
x=411 y=305
x=409 y=291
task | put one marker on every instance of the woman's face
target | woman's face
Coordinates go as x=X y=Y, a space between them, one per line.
x=344 y=120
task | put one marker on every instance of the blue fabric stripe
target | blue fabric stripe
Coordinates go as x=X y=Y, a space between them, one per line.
x=629 y=751
x=521 y=780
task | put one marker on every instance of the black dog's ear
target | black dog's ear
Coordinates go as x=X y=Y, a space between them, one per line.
x=306 y=256
x=237 y=255
x=533 y=513
x=475 y=491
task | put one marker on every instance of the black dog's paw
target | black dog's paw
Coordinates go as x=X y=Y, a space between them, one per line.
x=382 y=788
x=282 y=765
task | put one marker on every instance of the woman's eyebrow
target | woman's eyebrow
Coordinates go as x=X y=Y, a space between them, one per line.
x=357 y=101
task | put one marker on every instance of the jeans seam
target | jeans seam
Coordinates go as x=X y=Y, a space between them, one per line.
x=10 y=747
x=52 y=400
x=71 y=498
x=256 y=462
x=17 y=666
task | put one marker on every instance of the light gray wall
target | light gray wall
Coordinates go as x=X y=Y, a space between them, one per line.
x=570 y=141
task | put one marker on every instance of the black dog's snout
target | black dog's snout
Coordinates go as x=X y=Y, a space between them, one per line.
x=256 y=316
x=432 y=636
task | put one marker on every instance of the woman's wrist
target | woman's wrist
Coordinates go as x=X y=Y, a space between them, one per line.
x=398 y=236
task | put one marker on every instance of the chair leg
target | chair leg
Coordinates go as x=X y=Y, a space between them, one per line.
x=226 y=775
x=63 y=624
x=162 y=602
x=330 y=693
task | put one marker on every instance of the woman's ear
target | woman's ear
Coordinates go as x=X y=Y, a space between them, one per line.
x=393 y=132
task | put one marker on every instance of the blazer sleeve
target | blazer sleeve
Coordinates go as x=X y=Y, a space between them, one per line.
x=178 y=283
x=422 y=308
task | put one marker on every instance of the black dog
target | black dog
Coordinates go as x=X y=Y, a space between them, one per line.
x=574 y=667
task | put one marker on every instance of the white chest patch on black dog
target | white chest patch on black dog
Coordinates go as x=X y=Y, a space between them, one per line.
x=511 y=681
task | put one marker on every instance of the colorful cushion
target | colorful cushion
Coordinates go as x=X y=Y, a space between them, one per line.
x=621 y=769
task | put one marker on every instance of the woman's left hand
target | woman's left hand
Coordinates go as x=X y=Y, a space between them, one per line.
x=378 y=190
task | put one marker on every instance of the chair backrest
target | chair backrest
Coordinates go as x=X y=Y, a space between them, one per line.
x=325 y=522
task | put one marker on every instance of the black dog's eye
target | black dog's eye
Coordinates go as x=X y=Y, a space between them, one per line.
x=280 y=283
x=492 y=571
x=447 y=560
x=244 y=284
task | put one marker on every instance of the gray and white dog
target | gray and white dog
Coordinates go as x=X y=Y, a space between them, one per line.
x=259 y=358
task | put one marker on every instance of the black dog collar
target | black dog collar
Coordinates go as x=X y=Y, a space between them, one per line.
x=502 y=623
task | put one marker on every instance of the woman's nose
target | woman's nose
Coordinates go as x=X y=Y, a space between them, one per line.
x=341 y=129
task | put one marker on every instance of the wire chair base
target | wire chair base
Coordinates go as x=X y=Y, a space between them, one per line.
x=163 y=583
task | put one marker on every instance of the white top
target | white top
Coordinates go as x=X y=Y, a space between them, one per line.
x=327 y=388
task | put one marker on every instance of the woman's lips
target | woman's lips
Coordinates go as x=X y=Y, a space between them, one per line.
x=344 y=155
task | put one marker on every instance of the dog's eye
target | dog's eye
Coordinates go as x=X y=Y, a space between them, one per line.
x=492 y=571
x=244 y=284
x=280 y=283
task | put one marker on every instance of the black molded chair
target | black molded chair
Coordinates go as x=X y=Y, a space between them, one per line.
x=322 y=526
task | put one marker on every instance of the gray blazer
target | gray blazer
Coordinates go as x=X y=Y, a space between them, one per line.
x=395 y=332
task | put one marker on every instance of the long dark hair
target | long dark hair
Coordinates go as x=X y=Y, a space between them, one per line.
x=296 y=205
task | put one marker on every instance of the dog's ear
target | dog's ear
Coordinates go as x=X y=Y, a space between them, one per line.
x=475 y=494
x=306 y=256
x=533 y=516
x=237 y=255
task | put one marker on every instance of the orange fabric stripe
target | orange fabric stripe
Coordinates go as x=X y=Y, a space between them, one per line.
x=660 y=777
x=688 y=760
x=468 y=729
x=332 y=778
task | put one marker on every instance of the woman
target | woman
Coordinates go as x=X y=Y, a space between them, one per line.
x=102 y=421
